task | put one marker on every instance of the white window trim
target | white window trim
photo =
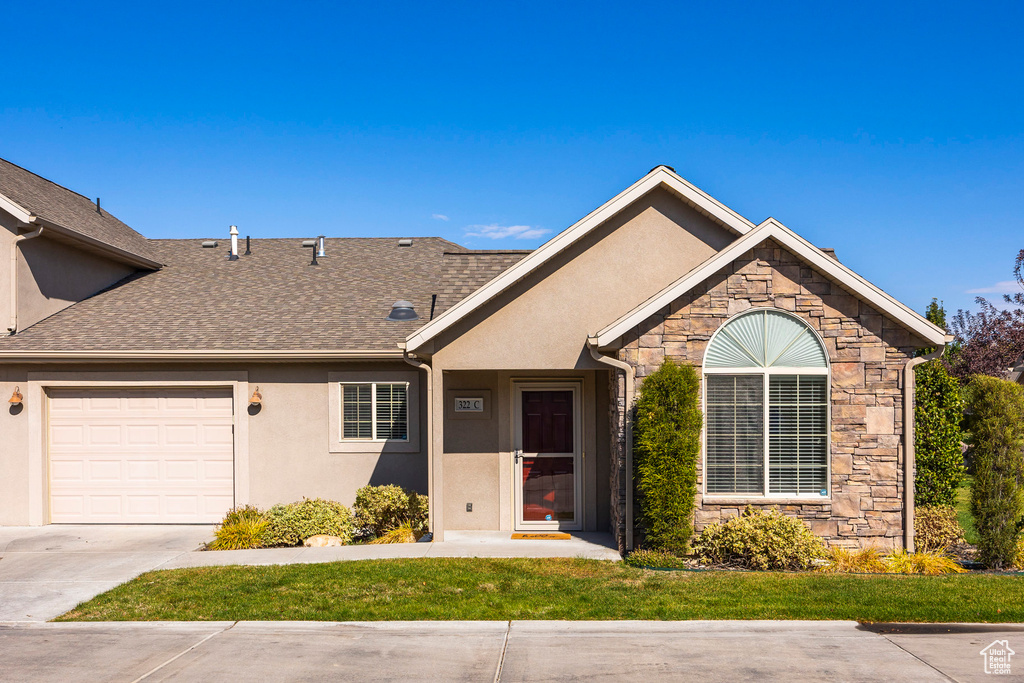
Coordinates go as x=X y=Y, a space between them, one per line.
x=373 y=411
x=740 y=498
x=337 y=444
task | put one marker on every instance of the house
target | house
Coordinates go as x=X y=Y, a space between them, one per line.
x=167 y=380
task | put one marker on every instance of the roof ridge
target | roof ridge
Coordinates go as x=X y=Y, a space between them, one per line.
x=477 y=252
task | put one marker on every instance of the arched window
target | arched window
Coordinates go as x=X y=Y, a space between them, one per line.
x=766 y=367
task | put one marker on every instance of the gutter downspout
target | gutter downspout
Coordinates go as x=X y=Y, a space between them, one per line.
x=430 y=432
x=630 y=376
x=12 y=328
x=909 y=455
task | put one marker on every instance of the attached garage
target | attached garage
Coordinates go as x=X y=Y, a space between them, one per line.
x=140 y=455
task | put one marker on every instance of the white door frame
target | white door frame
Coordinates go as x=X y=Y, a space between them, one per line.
x=518 y=387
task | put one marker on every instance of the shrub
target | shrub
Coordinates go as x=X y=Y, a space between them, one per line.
x=667 y=445
x=931 y=564
x=403 y=533
x=937 y=414
x=760 y=539
x=379 y=509
x=293 y=523
x=242 y=528
x=995 y=420
x=845 y=561
x=658 y=559
x=1018 y=562
x=936 y=528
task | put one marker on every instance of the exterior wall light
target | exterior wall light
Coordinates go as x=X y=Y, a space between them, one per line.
x=256 y=399
x=16 y=398
x=402 y=310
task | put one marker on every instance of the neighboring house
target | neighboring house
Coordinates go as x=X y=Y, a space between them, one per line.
x=506 y=397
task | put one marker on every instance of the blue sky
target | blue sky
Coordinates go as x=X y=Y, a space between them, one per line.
x=892 y=132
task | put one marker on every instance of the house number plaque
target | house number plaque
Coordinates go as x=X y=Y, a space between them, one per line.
x=469 y=405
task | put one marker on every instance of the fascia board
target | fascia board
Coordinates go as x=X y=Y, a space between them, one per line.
x=17 y=210
x=656 y=178
x=109 y=249
x=800 y=247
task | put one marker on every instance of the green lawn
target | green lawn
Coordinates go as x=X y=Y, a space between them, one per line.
x=417 y=589
x=963 y=510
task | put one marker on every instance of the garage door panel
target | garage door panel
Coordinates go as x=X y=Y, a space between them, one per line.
x=145 y=455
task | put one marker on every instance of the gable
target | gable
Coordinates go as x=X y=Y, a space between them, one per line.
x=659 y=178
x=543 y=320
x=830 y=269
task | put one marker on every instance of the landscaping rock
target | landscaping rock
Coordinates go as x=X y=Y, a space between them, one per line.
x=322 y=541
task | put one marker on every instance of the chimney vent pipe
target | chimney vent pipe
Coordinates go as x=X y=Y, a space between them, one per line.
x=233 y=256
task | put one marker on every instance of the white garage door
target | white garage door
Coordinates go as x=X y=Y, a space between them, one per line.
x=140 y=455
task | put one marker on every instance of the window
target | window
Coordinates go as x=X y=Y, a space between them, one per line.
x=375 y=411
x=766 y=401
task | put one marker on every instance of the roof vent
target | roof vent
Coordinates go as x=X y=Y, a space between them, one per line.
x=209 y=244
x=405 y=242
x=402 y=310
x=320 y=244
x=309 y=243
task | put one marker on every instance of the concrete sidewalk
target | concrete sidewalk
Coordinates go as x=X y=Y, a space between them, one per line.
x=596 y=546
x=493 y=651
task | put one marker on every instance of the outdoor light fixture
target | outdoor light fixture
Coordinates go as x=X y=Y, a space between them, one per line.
x=16 y=397
x=257 y=398
x=402 y=310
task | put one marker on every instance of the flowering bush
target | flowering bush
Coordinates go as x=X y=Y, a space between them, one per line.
x=760 y=539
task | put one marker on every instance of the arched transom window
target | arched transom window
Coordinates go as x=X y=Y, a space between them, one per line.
x=766 y=401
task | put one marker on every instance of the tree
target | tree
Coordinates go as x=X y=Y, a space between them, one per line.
x=991 y=341
x=938 y=410
x=995 y=421
x=935 y=313
x=667 y=445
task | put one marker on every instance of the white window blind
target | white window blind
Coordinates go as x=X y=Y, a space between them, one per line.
x=798 y=434
x=375 y=411
x=735 y=434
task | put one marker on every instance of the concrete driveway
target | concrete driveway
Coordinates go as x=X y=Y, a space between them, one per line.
x=500 y=651
x=47 y=570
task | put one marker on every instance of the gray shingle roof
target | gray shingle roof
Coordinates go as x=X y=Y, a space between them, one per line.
x=70 y=210
x=462 y=273
x=271 y=300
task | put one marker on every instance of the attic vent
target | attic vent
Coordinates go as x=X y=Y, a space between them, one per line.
x=405 y=242
x=210 y=244
x=309 y=243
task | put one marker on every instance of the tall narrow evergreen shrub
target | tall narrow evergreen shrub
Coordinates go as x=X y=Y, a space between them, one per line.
x=666 y=447
x=995 y=421
x=938 y=410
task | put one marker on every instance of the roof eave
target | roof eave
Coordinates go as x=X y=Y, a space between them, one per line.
x=94 y=244
x=200 y=355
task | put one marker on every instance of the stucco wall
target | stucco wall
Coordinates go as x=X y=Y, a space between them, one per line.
x=287 y=440
x=52 y=275
x=543 y=321
x=867 y=353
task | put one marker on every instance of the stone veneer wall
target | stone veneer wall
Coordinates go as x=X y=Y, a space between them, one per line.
x=867 y=353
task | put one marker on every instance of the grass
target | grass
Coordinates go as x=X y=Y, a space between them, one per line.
x=442 y=588
x=963 y=510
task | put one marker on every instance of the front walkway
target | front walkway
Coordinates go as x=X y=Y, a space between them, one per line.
x=47 y=570
x=501 y=651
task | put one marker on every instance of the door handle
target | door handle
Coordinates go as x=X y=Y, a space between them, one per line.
x=517 y=454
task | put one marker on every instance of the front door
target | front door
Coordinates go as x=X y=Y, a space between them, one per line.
x=547 y=457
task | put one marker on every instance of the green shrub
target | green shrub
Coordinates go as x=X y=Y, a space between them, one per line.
x=995 y=420
x=242 y=528
x=1018 y=561
x=380 y=509
x=936 y=528
x=293 y=523
x=654 y=558
x=938 y=412
x=403 y=533
x=667 y=445
x=760 y=539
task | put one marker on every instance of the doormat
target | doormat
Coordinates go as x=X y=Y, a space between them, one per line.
x=541 y=536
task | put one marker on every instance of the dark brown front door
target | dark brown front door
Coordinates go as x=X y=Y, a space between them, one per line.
x=547 y=459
